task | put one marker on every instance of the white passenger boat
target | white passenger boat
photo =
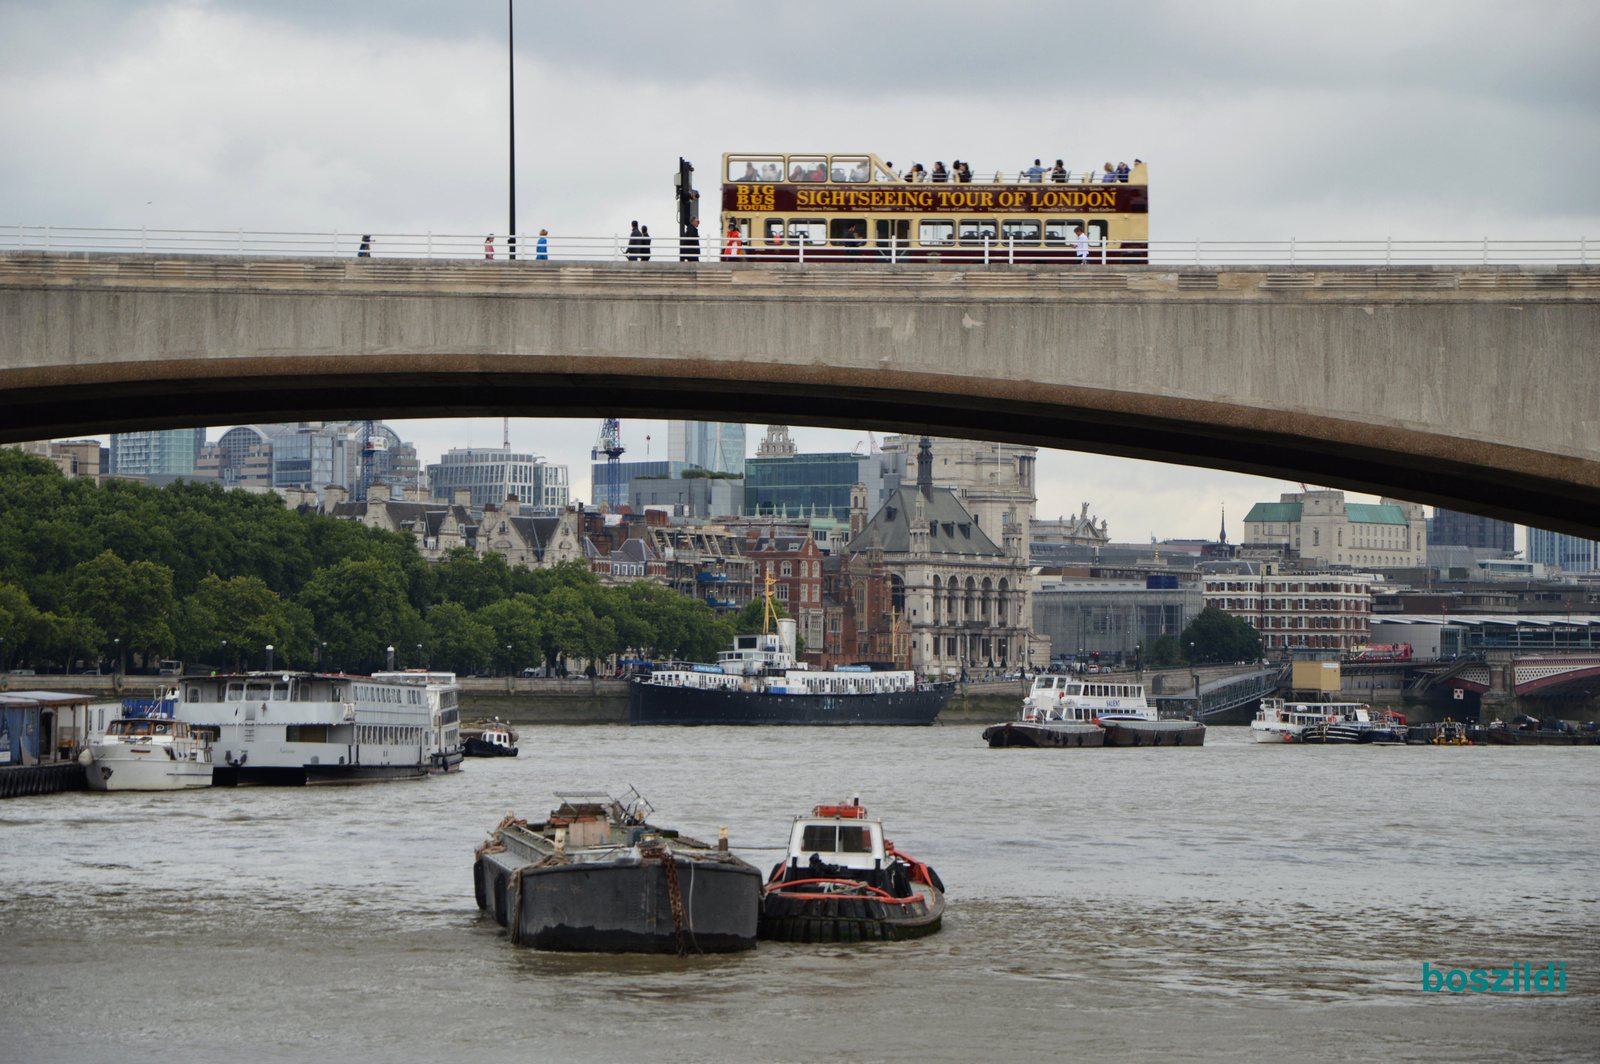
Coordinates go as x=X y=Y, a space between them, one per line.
x=1118 y=707
x=1278 y=721
x=147 y=754
x=444 y=730
x=303 y=727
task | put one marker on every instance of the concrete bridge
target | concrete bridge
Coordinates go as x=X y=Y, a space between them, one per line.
x=1472 y=387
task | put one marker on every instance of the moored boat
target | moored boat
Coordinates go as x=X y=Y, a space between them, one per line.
x=843 y=881
x=148 y=753
x=294 y=728
x=759 y=681
x=444 y=751
x=1278 y=721
x=596 y=876
x=1116 y=706
x=488 y=738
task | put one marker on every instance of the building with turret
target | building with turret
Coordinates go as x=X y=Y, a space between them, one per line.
x=959 y=590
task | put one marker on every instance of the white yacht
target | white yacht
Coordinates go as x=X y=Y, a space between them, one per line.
x=303 y=727
x=444 y=732
x=147 y=754
x=1278 y=721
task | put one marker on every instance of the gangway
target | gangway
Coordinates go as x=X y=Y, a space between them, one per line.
x=1218 y=696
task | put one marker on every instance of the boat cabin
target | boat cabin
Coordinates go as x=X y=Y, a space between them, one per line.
x=840 y=836
x=148 y=728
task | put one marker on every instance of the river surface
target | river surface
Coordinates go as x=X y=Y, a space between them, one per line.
x=1234 y=902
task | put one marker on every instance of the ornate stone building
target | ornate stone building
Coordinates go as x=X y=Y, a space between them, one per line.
x=962 y=595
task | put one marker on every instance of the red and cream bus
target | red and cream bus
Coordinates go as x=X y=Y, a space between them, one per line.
x=853 y=207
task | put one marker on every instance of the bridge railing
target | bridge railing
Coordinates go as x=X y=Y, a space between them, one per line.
x=622 y=247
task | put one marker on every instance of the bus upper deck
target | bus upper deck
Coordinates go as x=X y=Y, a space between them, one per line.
x=806 y=207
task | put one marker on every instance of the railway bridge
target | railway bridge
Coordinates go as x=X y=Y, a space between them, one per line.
x=1475 y=387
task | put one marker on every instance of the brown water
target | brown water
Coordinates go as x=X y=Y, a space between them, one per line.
x=1238 y=902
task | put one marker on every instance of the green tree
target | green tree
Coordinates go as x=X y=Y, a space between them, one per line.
x=359 y=608
x=19 y=625
x=1160 y=653
x=457 y=641
x=1219 y=636
x=131 y=603
x=519 y=623
x=250 y=616
x=474 y=581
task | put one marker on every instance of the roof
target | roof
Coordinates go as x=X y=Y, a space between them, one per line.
x=951 y=529
x=1363 y=513
x=1277 y=512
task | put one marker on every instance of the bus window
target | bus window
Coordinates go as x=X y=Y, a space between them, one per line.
x=808 y=168
x=852 y=168
x=809 y=231
x=1098 y=233
x=773 y=234
x=1058 y=231
x=975 y=232
x=848 y=232
x=754 y=167
x=1013 y=232
x=893 y=235
x=936 y=234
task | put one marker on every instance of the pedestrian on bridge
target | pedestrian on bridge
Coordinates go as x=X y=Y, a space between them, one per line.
x=689 y=250
x=633 y=241
x=488 y=246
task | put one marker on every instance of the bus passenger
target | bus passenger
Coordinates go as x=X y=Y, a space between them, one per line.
x=862 y=172
x=964 y=173
x=1058 y=173
x=749 y=173
x=731 y=249
x=940 y=174
x=1109 y=176
x=1122 y=172
x=1034 y=173
x=797 y=172
x=770 y=172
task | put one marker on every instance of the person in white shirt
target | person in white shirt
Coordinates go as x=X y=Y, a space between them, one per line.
x=1082 y=245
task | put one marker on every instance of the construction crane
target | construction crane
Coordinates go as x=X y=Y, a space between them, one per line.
x=610 y=445
x=371 y=444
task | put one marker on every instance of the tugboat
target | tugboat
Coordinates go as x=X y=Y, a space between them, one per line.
x=758 y=681
x=147 y=750
x=488 y=738
x=596 y=876
x=842 y=881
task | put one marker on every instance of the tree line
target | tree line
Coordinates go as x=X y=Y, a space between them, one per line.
x=125 y=575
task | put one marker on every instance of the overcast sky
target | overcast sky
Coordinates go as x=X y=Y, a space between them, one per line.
x=1269 y=120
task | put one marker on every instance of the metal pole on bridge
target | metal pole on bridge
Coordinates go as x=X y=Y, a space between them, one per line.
x=511 y=96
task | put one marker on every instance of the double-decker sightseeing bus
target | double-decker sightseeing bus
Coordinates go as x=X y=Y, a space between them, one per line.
x=853 y=207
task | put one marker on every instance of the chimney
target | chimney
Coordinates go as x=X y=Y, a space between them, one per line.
x=463 y=497
x=925 y=467
x=332 y=496
x=377 y=493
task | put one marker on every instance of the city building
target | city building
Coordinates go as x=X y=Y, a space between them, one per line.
x=1108 y=618
x=75 y=458
x=491 y=475
x=1079 y=530
x=993 y=481
x=705 y=561
x=800 y=485
x=241 y=457
x=861 y=624
x=1448 y=528
x=793 y=564
x=1322 y=609
x=685 y=495
x=1557 y=550
x=1325 y=529
x=657 y=469
x=963 y=596
x=712 y=445
x=165 y=451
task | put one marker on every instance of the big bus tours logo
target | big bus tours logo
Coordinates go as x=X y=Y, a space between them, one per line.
x=1517 y=979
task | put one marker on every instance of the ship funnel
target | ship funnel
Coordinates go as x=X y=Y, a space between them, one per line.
x=786 y=632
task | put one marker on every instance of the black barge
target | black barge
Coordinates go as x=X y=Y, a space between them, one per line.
x=597 y=877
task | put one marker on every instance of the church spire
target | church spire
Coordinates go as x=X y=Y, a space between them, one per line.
x=925 y=467
x=1222 y=536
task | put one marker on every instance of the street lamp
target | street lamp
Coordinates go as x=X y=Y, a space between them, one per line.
x=391 y=659
x=419 y=656
x=508 y=659
x=116 y=656
x=225 y=655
